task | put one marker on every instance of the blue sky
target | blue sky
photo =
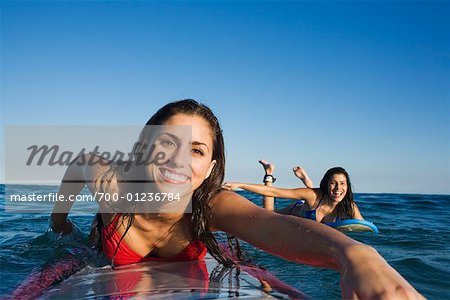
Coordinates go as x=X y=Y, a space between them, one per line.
x=363 y=85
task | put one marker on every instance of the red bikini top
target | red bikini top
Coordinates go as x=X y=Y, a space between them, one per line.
x=110 y=238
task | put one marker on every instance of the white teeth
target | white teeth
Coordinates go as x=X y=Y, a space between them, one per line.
x=174 y=177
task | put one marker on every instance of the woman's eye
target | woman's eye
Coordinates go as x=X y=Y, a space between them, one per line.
x=197 y=151
x=168 y=143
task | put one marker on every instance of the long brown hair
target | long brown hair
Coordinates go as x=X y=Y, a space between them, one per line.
x=200 y=218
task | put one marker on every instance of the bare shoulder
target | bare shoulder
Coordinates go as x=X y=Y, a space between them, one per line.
x=312 y=197
x=228 y=200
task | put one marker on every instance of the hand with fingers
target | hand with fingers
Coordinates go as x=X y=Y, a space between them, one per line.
x=369 y=276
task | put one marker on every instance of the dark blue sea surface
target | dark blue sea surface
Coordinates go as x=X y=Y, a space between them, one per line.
x=414 y=238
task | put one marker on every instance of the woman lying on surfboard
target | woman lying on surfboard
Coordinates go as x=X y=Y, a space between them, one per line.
x=193 y=167
x=331 y=202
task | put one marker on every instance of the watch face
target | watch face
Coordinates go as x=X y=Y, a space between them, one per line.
x=269 y=178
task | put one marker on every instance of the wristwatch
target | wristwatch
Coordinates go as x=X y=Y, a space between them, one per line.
x=269 y=178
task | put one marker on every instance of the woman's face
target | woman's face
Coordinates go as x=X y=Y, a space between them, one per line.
x=337 y=187
x=187 y=143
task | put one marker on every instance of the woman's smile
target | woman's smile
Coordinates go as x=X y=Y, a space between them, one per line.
x=173 y=177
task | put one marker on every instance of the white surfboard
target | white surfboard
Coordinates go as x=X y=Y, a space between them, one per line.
x=167 y=280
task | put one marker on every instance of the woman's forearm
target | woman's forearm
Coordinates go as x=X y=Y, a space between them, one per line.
x=71 y=185
x=67 y=191
x=306 y=241
x=259 y=189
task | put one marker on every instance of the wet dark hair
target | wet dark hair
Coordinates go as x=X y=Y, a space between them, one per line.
x=345 y=208
x=200 y=218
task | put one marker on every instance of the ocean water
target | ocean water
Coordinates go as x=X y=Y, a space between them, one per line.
x=414 y=238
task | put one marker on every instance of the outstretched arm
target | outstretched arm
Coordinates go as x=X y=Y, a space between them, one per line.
x=71 y=185
x=299 y=193
x=293 y=238
x=365 y=274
